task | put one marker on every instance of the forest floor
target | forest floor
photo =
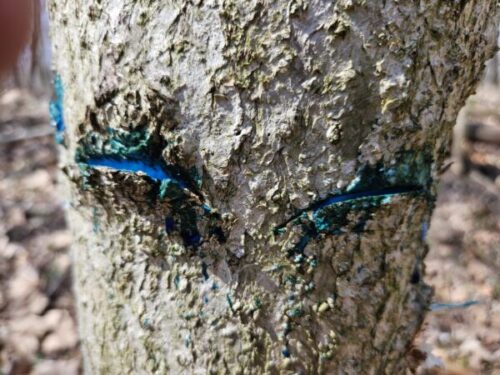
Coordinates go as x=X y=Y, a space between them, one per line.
x=37 y=319
x=463 y=263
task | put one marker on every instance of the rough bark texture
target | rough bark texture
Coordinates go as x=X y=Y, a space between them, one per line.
x=252 y=180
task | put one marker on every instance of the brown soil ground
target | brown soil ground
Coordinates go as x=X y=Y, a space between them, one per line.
x=37 y=319
x=463 y=263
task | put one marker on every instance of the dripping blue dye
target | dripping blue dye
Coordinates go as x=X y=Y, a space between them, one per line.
x=157 y=171
x=191 y=238
x=154 y=170
x=187 y=341
x=286 y=353
x=303 y=243
x=425 y=229
x=415 y=277
x=147 y=323
x=204 y=270
x=169 y=224
x=218 y=233
x=364 y=194
x=95 y=220
x=56 y=109
x=347 y=198
x=449 y=306
x=321 y=223
x=137 y=152
x=229 y=302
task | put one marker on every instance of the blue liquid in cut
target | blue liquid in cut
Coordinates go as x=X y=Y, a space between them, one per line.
x=155 y=171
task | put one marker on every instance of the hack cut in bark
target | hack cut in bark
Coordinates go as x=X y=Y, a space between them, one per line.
x=251 y=181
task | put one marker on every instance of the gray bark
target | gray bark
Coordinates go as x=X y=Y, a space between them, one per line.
x=251 y=181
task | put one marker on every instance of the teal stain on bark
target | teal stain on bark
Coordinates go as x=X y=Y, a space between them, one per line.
x=333 y=212
x=451 y=306
x=140 y=153
x=409 y=168
x=372 y=187
x=95 y=220
x=286 y=352
x=177 y=281
x=295 y=312
x=230 y=302
x=153 y=170
x=424 y=230
x=56 y=109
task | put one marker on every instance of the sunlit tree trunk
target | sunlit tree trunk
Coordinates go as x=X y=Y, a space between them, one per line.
x=251 y=180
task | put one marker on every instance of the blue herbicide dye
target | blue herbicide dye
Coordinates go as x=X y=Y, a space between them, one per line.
x=450 y=306
x=139 y=153
x=95 y=220
x=229 y=302
x=169 y=224
x=177 y=281
x=373 y=187
x=415 y=276
x=155 y=171
x=387 y=192
x=285 y=352
x=366 y=199
x=56 y=109
x=321 y=214
x=424 y=230
x=204 y=271
x=191 y=238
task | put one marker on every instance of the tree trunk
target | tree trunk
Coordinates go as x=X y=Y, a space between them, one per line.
x=251 y=180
